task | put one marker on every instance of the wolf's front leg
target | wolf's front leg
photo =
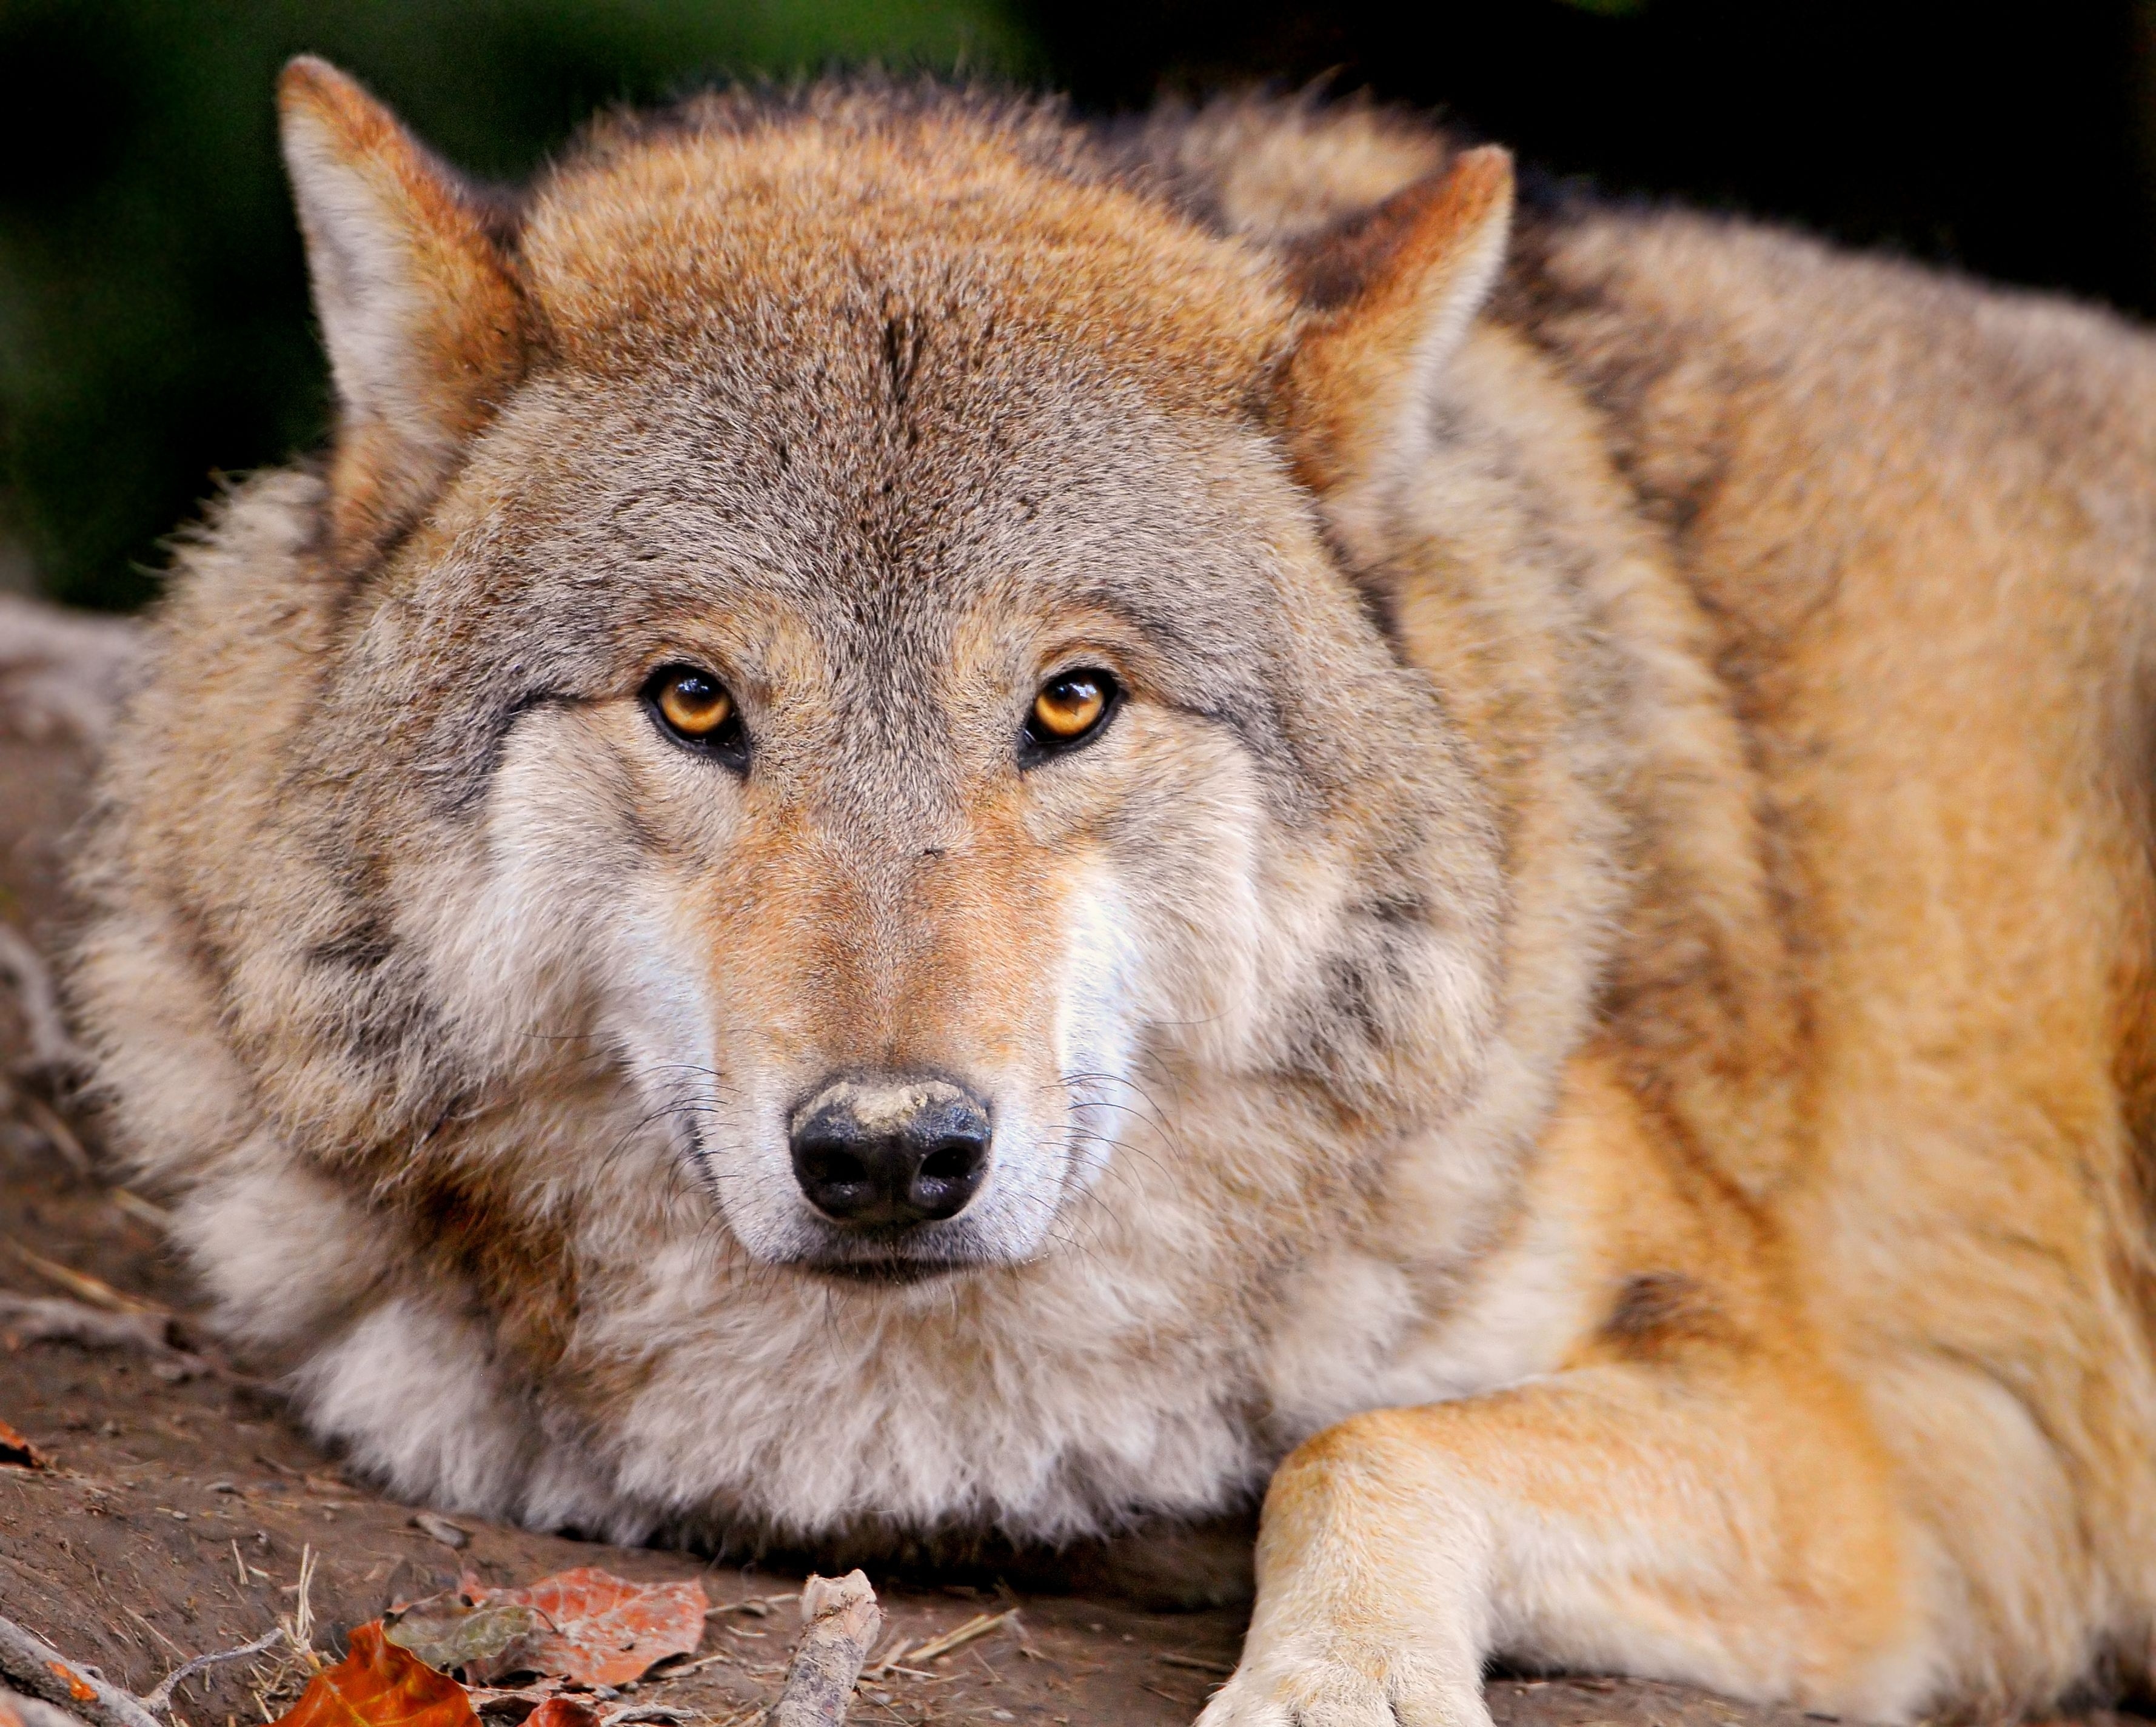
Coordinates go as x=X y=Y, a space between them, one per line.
x=1734 y=1528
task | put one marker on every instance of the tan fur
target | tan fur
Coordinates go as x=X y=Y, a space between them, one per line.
x=1589 y=1017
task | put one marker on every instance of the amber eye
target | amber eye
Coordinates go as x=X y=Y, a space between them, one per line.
x=1069 y=709
x=695 y=706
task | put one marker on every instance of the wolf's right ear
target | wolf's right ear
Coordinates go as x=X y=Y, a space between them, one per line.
x=421 y=314
x=1393 y=295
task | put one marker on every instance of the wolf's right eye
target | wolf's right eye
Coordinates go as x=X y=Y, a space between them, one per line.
x=695 y=708
x=1067 y=710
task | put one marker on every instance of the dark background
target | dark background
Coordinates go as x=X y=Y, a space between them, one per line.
x=153 y=324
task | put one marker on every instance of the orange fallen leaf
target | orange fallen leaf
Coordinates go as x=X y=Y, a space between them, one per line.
x=17 y=1453
x=604 y=1630
x=380 y=1685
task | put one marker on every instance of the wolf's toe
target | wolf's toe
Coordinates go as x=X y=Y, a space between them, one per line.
x=1331 y=1693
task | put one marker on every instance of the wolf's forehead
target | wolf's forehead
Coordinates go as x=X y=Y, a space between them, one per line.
x=703 y=241
x=846 y=542
x=958 y=524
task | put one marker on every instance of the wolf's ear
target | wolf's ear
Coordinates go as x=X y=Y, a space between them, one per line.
x=422 y=316
x=1394 y=293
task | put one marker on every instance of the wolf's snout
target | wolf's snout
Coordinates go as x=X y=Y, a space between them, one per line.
x=891 y=1152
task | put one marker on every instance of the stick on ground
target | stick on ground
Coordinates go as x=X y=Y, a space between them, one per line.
x=34 y=1666
x=160 y=1701
x=843 y=1620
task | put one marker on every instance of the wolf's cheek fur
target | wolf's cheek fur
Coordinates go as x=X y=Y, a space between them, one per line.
x=727 y=957
x=639 y=905
x=539 y=929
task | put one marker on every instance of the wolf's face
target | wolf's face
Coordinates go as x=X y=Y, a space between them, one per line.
x=884 y=795
x=885 y=699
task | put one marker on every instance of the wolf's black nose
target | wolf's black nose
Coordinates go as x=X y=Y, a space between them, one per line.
x=888 y=1152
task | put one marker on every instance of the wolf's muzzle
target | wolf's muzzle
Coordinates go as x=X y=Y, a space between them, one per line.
x=883 y=1152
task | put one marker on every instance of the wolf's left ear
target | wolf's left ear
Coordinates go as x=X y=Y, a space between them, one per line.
x=420 y=312
x=1395 y=294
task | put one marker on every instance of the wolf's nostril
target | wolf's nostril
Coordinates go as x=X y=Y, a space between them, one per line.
x=953 y=1160
x=835 y=1179
x=891 y=1152
x=832 y=1167
x=948 y=1175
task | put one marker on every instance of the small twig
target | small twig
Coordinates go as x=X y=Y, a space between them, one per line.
x=141 y=1210
x=49 y=1122
x=153 y=1330
x=81 y=1285
x=1168 y=1658
x=756 y=1606
x=54 y=1318
x=159 y=1701
x=890 y=1656
x=31 y=1664
x=723 y=1658
x=978 y=1627
x=843 y=1622
x=153 y=1630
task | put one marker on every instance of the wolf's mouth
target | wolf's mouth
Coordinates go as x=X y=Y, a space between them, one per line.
x=891 y=1270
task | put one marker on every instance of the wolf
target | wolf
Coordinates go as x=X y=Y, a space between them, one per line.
x=940 y=821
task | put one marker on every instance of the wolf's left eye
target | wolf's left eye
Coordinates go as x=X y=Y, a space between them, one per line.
x=1069 y=709
x=696 y=707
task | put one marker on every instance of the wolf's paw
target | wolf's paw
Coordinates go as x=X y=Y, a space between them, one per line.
x=1286 y=1688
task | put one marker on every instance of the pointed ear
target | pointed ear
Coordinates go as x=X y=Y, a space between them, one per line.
x=419 y=309
x=1396 y=293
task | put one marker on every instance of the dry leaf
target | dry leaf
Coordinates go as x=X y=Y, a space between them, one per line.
x=379 y=1684
x=562 y=1712
x=604 y=1631
x=452 y=1632
x=17 y=1453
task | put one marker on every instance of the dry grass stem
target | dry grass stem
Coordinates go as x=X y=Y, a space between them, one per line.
x=49 y=1121
x=81 y=1285
x=141 y=1210
x=978 y=1627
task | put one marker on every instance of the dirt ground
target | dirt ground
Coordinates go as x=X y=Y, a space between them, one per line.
x=180 y=1502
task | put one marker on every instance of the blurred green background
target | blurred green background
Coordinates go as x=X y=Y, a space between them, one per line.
x=153 y=321
x=153 y=324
